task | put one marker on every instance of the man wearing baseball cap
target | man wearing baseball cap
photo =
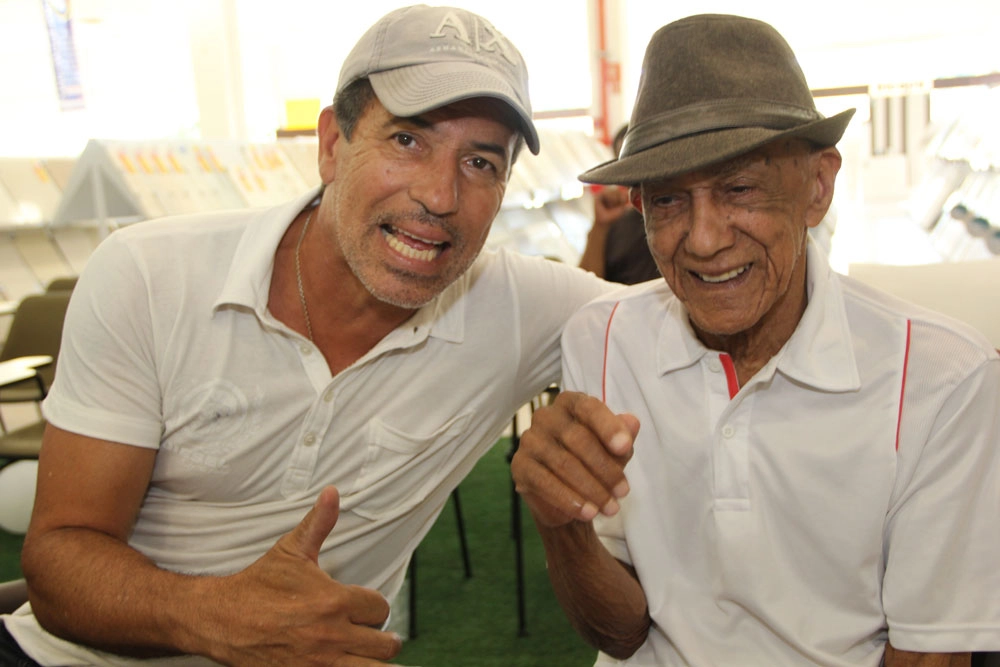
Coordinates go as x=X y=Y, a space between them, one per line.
x=258 y=415
x=816 y=480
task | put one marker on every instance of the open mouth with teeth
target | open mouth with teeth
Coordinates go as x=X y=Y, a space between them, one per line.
x=412 y=246
x=722 y=277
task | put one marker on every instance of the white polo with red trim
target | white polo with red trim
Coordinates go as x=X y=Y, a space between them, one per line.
x=848 y=494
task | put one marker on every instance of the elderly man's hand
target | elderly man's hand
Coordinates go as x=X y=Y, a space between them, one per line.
x=570 y=464
x=285 y=610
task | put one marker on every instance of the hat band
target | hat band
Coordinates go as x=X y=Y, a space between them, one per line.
x=711 y=116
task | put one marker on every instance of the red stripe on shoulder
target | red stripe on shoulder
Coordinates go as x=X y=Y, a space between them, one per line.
x=604 y=369
x=902 y=389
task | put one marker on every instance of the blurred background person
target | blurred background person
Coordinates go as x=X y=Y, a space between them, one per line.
x=616 y=247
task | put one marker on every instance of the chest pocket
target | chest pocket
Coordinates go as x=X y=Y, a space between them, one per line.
x=401 y=469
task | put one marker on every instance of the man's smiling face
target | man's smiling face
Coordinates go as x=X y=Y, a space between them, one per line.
x=412 y=199
x=730 y=239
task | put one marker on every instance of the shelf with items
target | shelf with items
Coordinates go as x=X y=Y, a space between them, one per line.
x=30 y=190
x=116 y=182
x=30 y=253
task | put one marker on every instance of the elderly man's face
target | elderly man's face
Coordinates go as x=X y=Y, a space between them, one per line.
x=412 y=199
x=730 y=239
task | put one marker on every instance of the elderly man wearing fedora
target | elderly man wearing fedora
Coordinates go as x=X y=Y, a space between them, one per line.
x=816 y=480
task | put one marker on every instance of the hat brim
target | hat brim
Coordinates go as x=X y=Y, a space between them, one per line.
x=416 y=89
x=687 y=154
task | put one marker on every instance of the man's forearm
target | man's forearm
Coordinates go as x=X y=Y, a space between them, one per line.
x=896 y=658
x=92 y=589
x=602 y=598
x=593 y=258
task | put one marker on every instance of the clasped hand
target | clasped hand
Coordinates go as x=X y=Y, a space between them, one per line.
x=570 y=463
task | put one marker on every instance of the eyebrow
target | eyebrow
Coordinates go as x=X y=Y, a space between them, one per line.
x=423 y=123
x=419 y=121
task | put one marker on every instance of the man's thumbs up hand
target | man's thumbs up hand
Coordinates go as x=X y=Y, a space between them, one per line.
x=284 y=609
x=308 y=537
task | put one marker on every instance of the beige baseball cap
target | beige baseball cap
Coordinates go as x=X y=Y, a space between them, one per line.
x=420 y=58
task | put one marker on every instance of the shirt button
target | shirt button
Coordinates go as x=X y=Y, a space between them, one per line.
x=328 y=396
x=310 y=439
x=728 y=431
x=714 y=365
x=305 y=349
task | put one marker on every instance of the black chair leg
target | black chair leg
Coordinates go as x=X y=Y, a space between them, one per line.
x=519 y=566
x=515 y=442
x=515 y=530
x=463 y=544
x=412 y=575
x=411 y=572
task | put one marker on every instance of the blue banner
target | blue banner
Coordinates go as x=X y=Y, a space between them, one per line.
x=63 y=54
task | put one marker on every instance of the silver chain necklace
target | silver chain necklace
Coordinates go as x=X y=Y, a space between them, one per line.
x=298 y=275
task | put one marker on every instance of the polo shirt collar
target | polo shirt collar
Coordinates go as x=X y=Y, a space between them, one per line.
x=678 y=346
x=444 y=317
x=819 y=353
x=248 y=282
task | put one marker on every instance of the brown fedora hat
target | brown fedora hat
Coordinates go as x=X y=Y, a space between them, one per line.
x=714 y=87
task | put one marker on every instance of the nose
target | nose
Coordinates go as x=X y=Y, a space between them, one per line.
x=710 y=230
x=436 y=187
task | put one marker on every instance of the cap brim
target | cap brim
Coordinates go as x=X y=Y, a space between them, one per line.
x=416 y=89
x=687 y=154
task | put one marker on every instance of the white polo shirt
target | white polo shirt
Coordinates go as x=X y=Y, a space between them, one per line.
x=848 y=493
x=169 y=345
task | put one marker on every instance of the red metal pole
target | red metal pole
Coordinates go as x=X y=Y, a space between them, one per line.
x=601 y=122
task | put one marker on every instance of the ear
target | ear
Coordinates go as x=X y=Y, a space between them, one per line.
x=826 y=164
x=635 y=197
x=328 y=132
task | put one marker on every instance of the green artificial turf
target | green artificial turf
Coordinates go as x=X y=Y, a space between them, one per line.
x=474 y=621
x=10 y=555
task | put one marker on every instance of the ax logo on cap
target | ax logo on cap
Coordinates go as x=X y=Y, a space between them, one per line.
x=483 y=37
